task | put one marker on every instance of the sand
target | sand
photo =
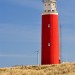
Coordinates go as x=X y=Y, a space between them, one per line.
x=73 y=73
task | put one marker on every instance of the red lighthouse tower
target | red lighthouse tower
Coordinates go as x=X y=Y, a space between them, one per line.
x=50 y=34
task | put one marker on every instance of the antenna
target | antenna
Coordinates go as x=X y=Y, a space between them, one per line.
x=37 y=57
x=61 y=59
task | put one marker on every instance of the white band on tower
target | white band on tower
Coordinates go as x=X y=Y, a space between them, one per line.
x=49 y=7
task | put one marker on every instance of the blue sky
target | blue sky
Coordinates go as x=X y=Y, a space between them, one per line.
x=20 y=31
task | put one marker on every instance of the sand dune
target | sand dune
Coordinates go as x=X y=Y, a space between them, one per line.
x=61 y=69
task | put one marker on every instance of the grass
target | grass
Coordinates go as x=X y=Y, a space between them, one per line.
x=39 y=70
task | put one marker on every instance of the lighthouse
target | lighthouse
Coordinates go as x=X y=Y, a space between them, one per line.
x=50 y=50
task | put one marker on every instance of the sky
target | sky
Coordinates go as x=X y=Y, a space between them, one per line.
x=20 y=31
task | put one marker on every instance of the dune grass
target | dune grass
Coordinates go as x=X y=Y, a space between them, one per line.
x=60 y=69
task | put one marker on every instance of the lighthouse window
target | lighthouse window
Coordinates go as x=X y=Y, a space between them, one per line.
x=48 y=4
x=44 y=10
x=52 y=10
x=53 y=4
x=48 y=25
x=48 y=10
x=48 y=44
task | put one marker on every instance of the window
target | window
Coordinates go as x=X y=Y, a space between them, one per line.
x=48 y=25
x=49 y=4
x=53 y=10
x=44 y=10
x=53 y=3
x=48 y=10
x=48 y=44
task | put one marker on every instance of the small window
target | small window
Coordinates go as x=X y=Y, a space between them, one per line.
x=48 y=10
x=49 y=4
x=44 y=10
x=53 y=4
x=48 y=25
x=53 y=10
x=48 y=44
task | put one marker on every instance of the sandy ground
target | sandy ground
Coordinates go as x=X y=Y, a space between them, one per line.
x=69 y=74
x=61 y=69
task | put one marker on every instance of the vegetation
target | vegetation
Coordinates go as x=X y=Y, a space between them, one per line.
x=60 y=69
